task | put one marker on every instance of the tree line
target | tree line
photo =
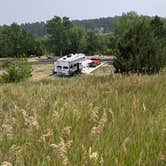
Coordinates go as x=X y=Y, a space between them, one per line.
x=102 y=25
x=138 y=42
x=66 y=37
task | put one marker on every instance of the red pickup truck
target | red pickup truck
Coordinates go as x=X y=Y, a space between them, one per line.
x=95 y=62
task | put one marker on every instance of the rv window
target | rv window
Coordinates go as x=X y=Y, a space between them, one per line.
x=69 y=55
x=59 y=67
x=65 y=67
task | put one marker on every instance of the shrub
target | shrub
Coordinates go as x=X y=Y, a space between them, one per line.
x=5 y=64
x=17 y=71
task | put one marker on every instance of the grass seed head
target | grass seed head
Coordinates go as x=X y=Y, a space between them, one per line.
x=94 y=115
x=124 y=145
x=93 y=155
x=67 y=131
x=49 y=135
x=112 y=114
x=62 y=149
x=5 y=163
x=96 y=130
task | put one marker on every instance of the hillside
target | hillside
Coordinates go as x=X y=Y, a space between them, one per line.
x=104 y=25
x=90 y=120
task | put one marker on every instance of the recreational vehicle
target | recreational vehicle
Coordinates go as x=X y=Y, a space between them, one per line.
x=69 y=64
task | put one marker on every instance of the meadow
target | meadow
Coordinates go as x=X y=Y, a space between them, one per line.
x=85 y=120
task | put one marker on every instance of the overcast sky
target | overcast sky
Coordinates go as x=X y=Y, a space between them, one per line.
x=22 y=11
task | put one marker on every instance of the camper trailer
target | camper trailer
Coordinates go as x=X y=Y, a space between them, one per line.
x=69 y=64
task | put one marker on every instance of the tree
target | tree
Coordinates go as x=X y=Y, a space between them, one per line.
x=137 y=49
x=58 y=30
x=15 y=42
x=92 y=42
x=158 y=27
x=44 y=43
x=76 y=35
x=124 y=22
x=83 y=45
x=18 y=70
x=159 y=30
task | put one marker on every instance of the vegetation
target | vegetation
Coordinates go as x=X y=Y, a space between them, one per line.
x=17 y=70
x=102 y=25
x=64 y=36
x=136 y=40
x=140 y=44
x=15 y=42
x=121 y=121
x=102 y=119
x=38 y=29
x=58 y=30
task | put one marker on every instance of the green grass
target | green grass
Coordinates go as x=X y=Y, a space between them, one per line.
x=90 y=120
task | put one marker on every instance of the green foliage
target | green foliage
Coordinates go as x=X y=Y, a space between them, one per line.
x=158 y=27
x=5 y=63
x=139 y=48
x=15 y=42
x=44 y=44
x=98 y=43
x=76 y=38
x=101 y=25
x=124 y=22
x=18 y=70
x=38 y=29
x=58 y=30
x=92 y=42
x=106 y=44
x=65 y=37
x=83 y=45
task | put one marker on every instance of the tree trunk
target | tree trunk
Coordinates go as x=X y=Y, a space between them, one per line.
x=61 y=53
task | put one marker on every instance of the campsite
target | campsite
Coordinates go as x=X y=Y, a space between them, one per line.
x=82 y=84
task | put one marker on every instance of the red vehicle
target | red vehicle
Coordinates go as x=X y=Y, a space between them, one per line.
x=95 y=62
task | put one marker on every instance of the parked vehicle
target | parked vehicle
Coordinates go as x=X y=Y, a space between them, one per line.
x=95 y=62
x=69 y=64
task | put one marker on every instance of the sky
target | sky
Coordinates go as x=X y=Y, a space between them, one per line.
x=22 y=11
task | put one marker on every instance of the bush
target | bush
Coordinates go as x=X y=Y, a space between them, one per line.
x=17 y=71
x=5 y=64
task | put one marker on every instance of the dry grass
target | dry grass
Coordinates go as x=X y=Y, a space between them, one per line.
x=90 y=120
x=35 y=59
x=106 y=69
x=100 y=56
x=2 y=71
x=41 y=72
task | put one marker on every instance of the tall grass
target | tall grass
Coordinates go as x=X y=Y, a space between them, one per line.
x=92 y=120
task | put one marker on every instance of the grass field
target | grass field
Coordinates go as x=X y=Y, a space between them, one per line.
x=85 y=120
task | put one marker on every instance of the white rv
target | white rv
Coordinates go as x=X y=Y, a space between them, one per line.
x=69 y=64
